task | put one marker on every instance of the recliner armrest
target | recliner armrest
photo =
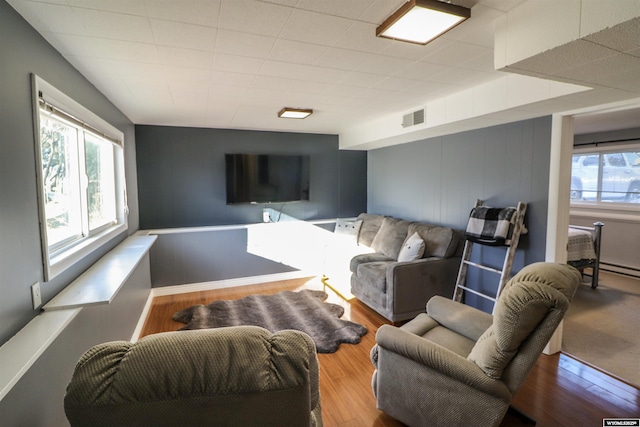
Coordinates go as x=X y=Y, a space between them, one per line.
x=438 y=358
x=462 y=319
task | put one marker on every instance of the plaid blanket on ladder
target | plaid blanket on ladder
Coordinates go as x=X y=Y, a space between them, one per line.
x=490 y=226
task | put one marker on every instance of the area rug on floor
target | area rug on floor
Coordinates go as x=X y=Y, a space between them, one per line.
x=601 y=324
x=304 y=311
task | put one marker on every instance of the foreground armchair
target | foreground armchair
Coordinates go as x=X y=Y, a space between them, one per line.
x=237 y=376
x=455 y=365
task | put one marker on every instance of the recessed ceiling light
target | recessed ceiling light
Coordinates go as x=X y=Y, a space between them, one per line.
x=295 y=113
x=420 y=21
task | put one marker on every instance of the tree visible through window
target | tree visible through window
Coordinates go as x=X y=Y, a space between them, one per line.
x=81 y=179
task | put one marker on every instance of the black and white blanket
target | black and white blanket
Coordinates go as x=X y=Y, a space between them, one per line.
x=490 y=226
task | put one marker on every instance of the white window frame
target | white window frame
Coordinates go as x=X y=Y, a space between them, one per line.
x=70 y=254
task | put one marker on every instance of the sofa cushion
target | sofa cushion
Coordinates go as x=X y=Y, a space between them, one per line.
x=390 y=237
x=366 y=258
x=412 y=249
x=375 y=274
x=370 y=225
x=348 y=229
x=439 y=241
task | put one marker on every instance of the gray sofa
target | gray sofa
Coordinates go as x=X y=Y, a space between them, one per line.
x=395 y=286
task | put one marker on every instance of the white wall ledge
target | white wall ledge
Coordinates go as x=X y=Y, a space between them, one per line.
x=102 y=281
x=20 y=353
x=98 y=285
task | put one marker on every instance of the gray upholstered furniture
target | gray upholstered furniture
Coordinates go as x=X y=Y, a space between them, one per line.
x=238 y=376
x=455 y=365
x=396 y=287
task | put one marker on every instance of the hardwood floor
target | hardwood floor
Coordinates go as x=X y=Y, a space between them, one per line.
x=560 y=391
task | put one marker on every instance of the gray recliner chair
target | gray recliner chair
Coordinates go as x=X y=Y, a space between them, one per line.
x=455 y=365
x=236 y=376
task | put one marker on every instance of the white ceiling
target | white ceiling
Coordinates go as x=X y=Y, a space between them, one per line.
x=236 y=63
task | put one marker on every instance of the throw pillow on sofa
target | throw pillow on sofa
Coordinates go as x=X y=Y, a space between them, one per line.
x=348 y=229
x=390 y=237
x=412 y=249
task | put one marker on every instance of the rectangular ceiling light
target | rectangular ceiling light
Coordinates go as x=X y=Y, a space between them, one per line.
x=295 y=113
x=420 y=21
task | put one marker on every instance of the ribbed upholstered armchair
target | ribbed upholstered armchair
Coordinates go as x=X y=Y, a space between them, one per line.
x=237 y=376
x=455 y=365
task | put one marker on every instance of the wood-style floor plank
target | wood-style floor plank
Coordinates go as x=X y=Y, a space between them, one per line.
x=559 y=391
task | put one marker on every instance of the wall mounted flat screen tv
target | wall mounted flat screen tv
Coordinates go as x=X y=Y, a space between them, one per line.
x=266 y=178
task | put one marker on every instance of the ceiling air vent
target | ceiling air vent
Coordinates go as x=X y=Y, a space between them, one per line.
x=412 y=119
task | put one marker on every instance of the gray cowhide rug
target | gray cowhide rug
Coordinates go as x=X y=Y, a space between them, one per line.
x=304 y=311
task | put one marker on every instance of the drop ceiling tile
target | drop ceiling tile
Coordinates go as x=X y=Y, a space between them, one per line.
x=277 y=83
x=569 y=56
x=53 y=18
x=243 y=44
x=308 y=87
x=178 y=34
x=116 y=26
x=301 y=72
x=484 y=62
x=380 y=10
x=375 y=94
x=228 y=79
x=314 y=27
x=421 y=71
x=130 y=7
x=598 y=71
x=396 y=84
x=237 y=64
x=461 y=77
x=220 y=116
x=175 y=73
x=94 y=47
x=413 y=51
x=360 y=79
x=343 y=59
x=342 y=90
x=221 y=94
x=347 y=9
x=296 y=52
x=185 y=57
x=361 y=36
x=456 y=53
x=622 y=37
x=476 y=30
x=385 y=65
x=253 y=17
x=202 y=12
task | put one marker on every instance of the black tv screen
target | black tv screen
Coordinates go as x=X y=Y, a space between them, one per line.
x=266 y=178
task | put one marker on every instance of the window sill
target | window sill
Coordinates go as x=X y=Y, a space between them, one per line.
x=98 y=285
x=102 y=281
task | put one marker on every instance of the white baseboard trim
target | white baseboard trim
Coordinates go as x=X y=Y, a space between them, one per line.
x=228 y=283
x=143 y=317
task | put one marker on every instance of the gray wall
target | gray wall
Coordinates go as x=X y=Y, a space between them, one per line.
x=24 y=51
x=181 y=176
x=36 y=399
x=438 y=180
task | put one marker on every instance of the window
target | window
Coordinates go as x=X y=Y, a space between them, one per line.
x=599 y=176
x=81 y=178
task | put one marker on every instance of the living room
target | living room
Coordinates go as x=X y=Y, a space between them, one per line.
x=174 y=181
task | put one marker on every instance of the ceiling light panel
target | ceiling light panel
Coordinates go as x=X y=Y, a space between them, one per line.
x=420 y=21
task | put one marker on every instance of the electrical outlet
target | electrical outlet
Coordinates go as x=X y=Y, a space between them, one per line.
x=36 y=296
